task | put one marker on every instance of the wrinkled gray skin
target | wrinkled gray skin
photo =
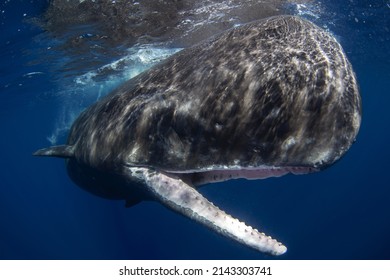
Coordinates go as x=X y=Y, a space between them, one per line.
x=264 y=99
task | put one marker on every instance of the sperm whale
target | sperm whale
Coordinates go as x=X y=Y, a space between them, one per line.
x=265 y=99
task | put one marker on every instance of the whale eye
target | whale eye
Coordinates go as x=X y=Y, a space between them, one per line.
x=218 y=127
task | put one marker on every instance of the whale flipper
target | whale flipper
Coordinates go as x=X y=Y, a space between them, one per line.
x=179 y=196
x=61 y=151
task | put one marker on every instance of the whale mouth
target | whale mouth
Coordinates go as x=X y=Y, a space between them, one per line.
x=221 y=173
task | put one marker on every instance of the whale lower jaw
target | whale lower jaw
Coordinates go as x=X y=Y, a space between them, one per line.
x=181 y=197
x=220 y=174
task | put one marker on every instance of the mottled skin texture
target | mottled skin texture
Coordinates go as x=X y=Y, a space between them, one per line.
x=261 y=100
x=278 y=92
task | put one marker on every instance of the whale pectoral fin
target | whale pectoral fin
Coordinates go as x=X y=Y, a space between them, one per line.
x=62 y=151
x=184 y=199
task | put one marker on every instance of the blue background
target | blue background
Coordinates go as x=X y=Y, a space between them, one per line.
x=340 y=213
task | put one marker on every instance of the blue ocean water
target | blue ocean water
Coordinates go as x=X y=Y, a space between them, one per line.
x=340 y=213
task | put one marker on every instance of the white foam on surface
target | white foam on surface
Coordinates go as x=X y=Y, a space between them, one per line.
x=314 y=11
x=207 y=13
x=307 y=10
x=86 y=89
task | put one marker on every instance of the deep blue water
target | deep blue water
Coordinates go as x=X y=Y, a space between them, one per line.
x=340 y=213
